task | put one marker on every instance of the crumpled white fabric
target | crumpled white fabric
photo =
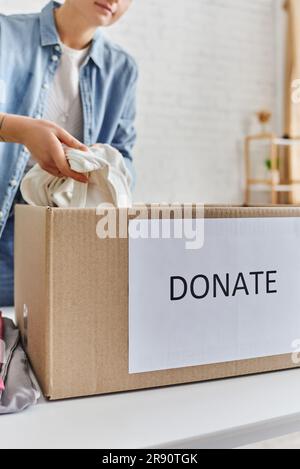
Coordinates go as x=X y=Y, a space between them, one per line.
x=21 y=391
x=109 y=181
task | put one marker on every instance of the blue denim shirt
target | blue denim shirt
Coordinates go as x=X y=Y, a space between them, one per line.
x=29 y=56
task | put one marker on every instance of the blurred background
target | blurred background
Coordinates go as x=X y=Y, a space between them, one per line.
x=207 y=67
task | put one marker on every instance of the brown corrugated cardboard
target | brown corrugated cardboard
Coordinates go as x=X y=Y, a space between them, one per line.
x=71 y=299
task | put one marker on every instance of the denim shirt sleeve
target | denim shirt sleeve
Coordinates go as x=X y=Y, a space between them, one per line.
x=2 y=81
x=126 y=135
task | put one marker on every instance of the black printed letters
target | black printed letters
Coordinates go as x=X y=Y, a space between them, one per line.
x=201 y=286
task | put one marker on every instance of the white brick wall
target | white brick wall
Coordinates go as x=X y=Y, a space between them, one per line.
x=280 y=48
x=206 y=66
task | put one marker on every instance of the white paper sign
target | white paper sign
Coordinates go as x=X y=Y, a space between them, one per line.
x=238 y=297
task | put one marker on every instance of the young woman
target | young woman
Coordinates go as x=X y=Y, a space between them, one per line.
x=61 y=81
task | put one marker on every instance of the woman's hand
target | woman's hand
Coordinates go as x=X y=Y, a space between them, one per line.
x=44 y=140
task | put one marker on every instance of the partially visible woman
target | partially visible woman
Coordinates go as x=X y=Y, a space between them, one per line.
x=61 y=81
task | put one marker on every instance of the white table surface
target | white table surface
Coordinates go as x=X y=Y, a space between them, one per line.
x=227 y=414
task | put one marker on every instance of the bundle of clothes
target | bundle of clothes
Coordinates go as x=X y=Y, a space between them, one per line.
x=109 y=181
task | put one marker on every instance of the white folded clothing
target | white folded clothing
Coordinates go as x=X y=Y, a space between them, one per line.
x=109 y=181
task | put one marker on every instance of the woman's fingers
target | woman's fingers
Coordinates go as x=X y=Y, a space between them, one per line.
x=70 y=141
x=63 y=167
x=52 y=170
x=44 y=140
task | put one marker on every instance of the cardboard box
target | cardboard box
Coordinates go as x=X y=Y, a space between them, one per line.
x=83 y=304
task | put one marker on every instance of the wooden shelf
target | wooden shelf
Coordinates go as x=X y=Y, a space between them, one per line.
x=286 y=142
x=272 y=185
x=278 y=188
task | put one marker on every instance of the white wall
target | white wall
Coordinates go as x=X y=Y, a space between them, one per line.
x=206 y=67
x=280 y=51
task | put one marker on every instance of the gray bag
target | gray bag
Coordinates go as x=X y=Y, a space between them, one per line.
x=20 y=391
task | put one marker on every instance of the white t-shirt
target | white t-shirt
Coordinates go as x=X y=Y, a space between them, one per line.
x=64 y=105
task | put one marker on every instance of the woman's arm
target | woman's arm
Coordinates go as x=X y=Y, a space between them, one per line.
x=44 y=140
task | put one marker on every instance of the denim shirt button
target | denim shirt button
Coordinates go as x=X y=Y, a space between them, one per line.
x=45 y=86
x=13 y=182
x=57 y=48
x=54 y=58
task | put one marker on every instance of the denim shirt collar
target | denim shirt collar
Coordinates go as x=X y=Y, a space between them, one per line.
x=49 y=34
